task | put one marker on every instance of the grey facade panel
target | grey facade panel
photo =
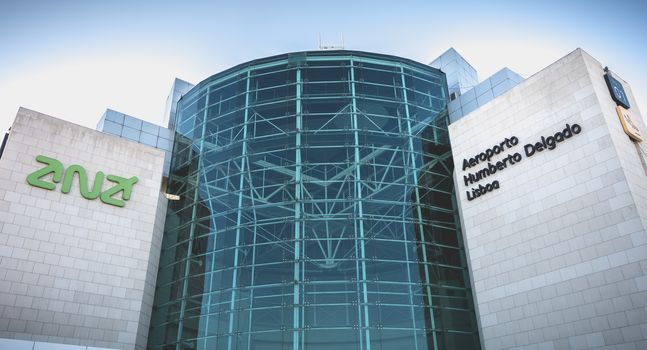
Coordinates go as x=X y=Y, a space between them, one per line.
x=558 y=250
x=75 y=270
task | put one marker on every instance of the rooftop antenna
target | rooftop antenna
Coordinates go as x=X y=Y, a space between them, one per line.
x=331 y=47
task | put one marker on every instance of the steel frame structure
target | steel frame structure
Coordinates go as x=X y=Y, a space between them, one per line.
x=316 y=209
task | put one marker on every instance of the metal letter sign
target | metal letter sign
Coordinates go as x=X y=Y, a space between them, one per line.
x=53 y=166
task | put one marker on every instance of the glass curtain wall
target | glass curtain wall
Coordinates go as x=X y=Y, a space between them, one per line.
x=316 y=211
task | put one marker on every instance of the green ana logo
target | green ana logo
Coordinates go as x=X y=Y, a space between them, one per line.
x=54 y=166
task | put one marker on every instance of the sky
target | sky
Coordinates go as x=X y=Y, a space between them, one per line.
x=73 y=59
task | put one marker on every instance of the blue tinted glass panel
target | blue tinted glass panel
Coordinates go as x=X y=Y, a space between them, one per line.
x=150 y=128
x=130 y=133
x=166 y=133
x=114 y=116
x=111 y=128
x=164 y=144
x=133 y=122
x=148 y=139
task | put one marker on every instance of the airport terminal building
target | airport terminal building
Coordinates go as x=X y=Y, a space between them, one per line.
x=335 y=200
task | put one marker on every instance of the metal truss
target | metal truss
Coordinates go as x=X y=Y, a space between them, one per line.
x=339 y=225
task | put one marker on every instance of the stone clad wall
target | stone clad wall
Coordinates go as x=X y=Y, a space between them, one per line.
x=558 y=252
x=73 y=270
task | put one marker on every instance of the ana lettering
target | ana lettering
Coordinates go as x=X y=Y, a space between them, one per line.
x=123 y=185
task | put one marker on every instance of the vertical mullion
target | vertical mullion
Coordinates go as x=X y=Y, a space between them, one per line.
x=404 y=230
x=243 y=162
x=297 y=216
x=252 y=279
x=360 y=321
x=419 y=213
x=358 y=200
x=187 y=266
x=252 y=287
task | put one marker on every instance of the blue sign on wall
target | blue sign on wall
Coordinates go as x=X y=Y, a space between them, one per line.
x=616 y=89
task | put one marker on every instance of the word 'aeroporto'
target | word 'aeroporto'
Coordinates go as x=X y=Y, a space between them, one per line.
x=490 y=152
x=550 y=142
x=53 y=166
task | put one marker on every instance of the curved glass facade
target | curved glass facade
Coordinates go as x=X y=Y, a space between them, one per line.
x=316 y=211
